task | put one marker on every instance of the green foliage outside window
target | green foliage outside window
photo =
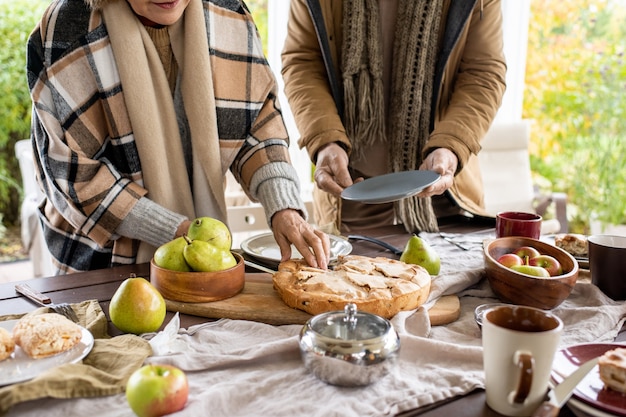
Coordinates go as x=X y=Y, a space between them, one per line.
x=575 y=84
x=17 y=19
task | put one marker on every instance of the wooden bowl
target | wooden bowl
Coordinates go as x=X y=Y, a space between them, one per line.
x=198 y=287
x=522 y=289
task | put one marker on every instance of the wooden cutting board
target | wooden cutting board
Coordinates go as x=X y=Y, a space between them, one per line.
x=259 y=301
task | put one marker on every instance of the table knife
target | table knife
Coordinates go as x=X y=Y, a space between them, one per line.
x=559 y=395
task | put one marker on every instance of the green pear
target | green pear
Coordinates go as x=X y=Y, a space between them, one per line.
x=536 y=271
x=170 y=255
x=137 y=307
x=203 y=256
x=211 y=230
x=418 y=252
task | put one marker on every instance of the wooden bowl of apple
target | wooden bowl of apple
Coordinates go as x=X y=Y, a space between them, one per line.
x=529 y=272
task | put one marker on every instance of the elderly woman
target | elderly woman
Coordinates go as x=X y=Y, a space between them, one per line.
x=140 y=108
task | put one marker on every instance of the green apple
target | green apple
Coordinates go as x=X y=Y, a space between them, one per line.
x=211 y=230
x=418 y=252
x=203 y=256
x=535 y=271
x=156 y=390
x=170 y=255
x=137 y=307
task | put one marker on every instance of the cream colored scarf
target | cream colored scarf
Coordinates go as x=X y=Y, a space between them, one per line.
x=414 y=59
x=153 y=117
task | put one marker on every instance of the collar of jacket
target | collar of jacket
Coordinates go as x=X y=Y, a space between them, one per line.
x=458 y=15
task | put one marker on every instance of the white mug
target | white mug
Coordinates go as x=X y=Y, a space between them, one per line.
x=519 y=344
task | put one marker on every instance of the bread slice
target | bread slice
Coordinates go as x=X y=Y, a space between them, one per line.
x=7 y=345
x=574 y=244
x=612 y=366
x=379 y=285
x=44 y=335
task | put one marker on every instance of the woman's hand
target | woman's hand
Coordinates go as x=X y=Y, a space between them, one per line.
x=289 y=227
x=444 y=162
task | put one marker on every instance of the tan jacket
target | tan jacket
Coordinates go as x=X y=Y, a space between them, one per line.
x=470 y=91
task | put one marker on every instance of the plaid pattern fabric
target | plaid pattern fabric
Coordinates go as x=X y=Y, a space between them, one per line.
x=86 y=156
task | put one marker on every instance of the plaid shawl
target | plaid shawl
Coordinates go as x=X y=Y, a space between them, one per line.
x=85 y=151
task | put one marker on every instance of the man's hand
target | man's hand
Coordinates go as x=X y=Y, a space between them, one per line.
x=290 y=228
x=444 y=162
x=331 y=169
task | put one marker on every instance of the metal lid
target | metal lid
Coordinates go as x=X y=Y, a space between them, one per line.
x=350 y=325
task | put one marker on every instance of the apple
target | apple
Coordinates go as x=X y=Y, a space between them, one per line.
x=510 y=259
x=156 y=390
x=547 y=262
x=526 y=253
x=536 y=271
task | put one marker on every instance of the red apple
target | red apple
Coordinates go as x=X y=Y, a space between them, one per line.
x=156 y=390
x=536 y=271
x=510 y=259
x=547 y=262
x=526 y=253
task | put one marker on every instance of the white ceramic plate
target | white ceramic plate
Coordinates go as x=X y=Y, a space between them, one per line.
x=590 y=394
x=19 y=367
x=264 y=248
x=390 y=187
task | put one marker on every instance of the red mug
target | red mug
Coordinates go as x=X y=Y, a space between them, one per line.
x=517 y=223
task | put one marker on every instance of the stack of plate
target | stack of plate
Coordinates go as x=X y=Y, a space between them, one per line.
x=263 y=249
x=590 y=398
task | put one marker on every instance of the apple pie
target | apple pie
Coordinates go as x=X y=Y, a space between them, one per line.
x=43 y=335
x=612 y=367
x=7 y=345
x=379 y=285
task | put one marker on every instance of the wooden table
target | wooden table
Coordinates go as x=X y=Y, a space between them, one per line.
x=101 y=284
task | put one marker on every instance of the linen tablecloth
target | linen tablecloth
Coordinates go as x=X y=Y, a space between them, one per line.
x=242 y=368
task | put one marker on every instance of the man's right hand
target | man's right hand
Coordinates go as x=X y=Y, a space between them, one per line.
x=331 y=170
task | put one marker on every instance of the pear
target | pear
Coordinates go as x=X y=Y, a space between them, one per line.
x=137 y=307
x=203 y=256
x=211 y=230
x=418 y=252
x=170 y=255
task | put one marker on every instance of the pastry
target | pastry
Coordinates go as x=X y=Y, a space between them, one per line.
x=7 y=345
x=612 y=367
x=574 y=244
x=379 y=285
x=45 y=335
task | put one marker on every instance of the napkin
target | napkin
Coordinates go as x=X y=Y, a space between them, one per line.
x=104 y=371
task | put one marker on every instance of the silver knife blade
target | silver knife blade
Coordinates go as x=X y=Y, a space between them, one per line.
x=560 y=394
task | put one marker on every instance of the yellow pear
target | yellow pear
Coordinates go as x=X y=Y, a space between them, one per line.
x=211 y=230
x=418 y=252
x=170 y=255
x=203 y=256
x=137 y=307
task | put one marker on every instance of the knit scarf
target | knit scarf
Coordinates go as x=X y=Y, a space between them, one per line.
x=152 y=112
x=414 y=58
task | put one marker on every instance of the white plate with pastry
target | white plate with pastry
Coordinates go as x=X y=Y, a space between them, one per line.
x=591 y=396
x=20 y=367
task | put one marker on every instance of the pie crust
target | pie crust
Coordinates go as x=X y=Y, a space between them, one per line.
x=378 y=285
